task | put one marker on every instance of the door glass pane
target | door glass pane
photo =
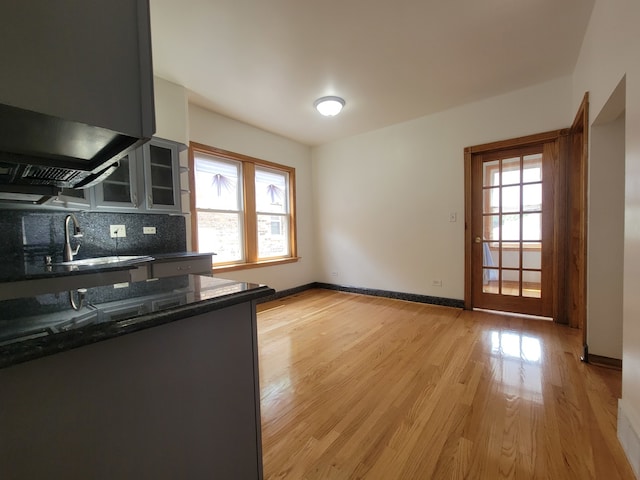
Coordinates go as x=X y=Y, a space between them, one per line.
x=491 y=228
x=511 y=199
x=511 y=171
x=490 y=254
x=490 y=280
x=491 y=173
x=511 y=257
x=532 y=197
x=511 y=283
x=510 y=227
x=491 y=203
x=532 y=226
x=531 y=284
x=532 y=255
x=532 y=168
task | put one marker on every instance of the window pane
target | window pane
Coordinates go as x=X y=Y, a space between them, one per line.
x=273 y=236
x=510 y=171
x=510 y=227
x=511 y=282
x=511 y=257
x=490 y=254
x=532 y=255
x=271 y=191
x=532 y=226
x=511 y=199
x=491 y=200
x=531 y=284
x=532 y=197
x=491 y=173
x=217 y=184
x=491 y=227
x=220 y=233
x=532 y=168
x=490 y=280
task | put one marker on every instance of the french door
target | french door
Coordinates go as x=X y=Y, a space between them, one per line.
x=512 y=228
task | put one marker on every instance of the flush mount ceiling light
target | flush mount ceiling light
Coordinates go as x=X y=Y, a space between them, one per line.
x=329 y=106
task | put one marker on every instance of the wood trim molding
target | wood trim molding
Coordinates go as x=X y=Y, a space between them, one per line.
x=192 y=202
x=604 y=361
x=577 y=204
x=518 y=142
x=468 y=299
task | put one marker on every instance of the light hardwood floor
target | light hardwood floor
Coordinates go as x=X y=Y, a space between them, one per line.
x=365 y=387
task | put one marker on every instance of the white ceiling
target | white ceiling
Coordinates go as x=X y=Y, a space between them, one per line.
x=264 y=62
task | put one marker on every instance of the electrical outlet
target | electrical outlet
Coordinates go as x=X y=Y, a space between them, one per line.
x=149 y=230
x=117 y=231
x=436 y=283
x=453 y=217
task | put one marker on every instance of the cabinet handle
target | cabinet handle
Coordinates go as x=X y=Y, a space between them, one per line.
x=188 y=267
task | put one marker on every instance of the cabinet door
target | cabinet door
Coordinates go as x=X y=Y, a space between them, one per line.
x=120 y=191
x=161 y=176
x=73 y=198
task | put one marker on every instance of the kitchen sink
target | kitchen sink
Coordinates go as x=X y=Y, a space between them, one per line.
x=109 y=260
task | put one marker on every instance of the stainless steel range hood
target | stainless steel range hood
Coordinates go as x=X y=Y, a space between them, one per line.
x=41 y=150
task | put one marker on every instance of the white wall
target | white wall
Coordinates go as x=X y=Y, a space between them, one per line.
x=606 y=239
x=217 y=131
x=609 y=52
x=382 y=199
x=171 y=111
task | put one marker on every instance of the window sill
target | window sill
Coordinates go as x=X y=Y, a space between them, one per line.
x=261 y=263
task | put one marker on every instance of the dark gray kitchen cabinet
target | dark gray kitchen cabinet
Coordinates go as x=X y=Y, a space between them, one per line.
x=179 y=400
x=87 y=62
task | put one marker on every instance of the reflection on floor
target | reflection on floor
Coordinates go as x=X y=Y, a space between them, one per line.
x=366 y=387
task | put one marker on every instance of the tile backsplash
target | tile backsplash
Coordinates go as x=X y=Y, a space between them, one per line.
x=30 y=235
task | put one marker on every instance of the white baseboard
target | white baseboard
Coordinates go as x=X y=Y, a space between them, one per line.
x=628 y=434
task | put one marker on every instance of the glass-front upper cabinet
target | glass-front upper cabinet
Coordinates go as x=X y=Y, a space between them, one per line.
x=73 y=198
x=148 y=179
x=120 y=190
x=161 y=176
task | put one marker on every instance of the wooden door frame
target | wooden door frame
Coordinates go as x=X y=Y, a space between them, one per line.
x=577 y=204
x=556 y=137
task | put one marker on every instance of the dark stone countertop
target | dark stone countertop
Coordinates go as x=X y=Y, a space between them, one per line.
x=43 y=325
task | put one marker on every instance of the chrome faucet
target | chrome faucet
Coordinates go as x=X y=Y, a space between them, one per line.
x=68 y=251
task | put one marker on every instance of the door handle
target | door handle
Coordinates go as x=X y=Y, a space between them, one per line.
x=477 y=240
